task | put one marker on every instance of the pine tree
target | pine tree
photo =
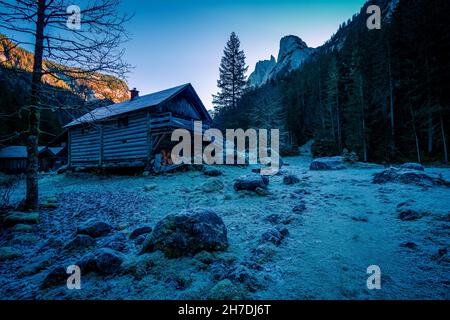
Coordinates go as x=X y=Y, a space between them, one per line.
x=232 y=80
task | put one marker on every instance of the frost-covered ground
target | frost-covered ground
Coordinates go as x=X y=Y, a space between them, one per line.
x=349 y=224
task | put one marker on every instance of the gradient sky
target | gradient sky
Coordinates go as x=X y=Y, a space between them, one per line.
x=180 y=41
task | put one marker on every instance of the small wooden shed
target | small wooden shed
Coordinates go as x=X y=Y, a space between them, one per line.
x=13 y=159
x=135 y=132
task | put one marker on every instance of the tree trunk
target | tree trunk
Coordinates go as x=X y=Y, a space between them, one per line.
x=419 y=160
x=320 y=98
x=444 y=140
x=32 y=197
x=391 y=95
x=430 y=129
x=338 y=119
x=363 y=116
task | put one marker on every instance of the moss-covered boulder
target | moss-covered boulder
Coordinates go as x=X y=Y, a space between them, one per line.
x=188 y=233
x=8 y=253
x=25 y=228
x=226 y=290
x=95 y=228
x=14 y=218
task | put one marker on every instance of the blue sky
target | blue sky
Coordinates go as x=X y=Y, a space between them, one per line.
x=176 y=41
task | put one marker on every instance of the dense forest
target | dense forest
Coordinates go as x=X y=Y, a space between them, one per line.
x=383 y=94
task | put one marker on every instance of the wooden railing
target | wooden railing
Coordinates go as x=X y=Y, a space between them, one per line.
x=164 y=120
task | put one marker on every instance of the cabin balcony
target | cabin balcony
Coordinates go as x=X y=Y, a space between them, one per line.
x=165 y=122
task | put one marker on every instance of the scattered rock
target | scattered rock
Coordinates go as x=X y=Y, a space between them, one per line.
x=179 y=281
x=360 y=219
x=262 y=254
x=413 y=166
x=411 y=215
x=251 y=182
x=275 y=235
x=262 y=192
x=277 y=219
x=150 y=187
x=409 y=177
x=442 y=252
x=50 y=203
x=291 y=179
x=441 y=256
x=117 y=242
x=409 y=245
x=37 y=264
x=242 y=275
x=8 y=253
x=188 y=233
x=105 y=261
x=227 y=197
x=140 y=240
x=300 y=208
x=205 y=257
x=226 y=290
x=81 y=241
x=140 y=231
x=22 y=228
x=14 y=218
x=334 y=163
x=211 y=172
x=55 y=277
x=213 y=185
x=95 y=228
x=25 y=238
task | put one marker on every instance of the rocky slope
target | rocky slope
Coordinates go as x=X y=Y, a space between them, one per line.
x=99 y=86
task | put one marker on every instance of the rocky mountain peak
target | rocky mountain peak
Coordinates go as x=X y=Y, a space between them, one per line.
x=293 y=53
x=290 y=44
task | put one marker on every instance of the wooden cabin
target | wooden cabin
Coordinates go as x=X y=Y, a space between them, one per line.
x=134 y=133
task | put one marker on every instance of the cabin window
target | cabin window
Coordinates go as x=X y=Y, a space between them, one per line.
x=122 y=122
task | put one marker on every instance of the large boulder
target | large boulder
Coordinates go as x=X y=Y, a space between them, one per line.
x=211 y=172
x=8 y=253
x=212 y=185
x=95 y=228
x=411 y=215
x=80 y=242
x=333 y=163
x=14 y=218
x=188 y=233
x=227 y=290
x=275 y=235
x=409 y=177
x=251 y=182
x=291 y=179
x=413 y=166
x=104 y=261
x=142 y=230
x=57 y=276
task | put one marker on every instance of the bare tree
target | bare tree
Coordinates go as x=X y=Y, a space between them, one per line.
x=70 y=45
